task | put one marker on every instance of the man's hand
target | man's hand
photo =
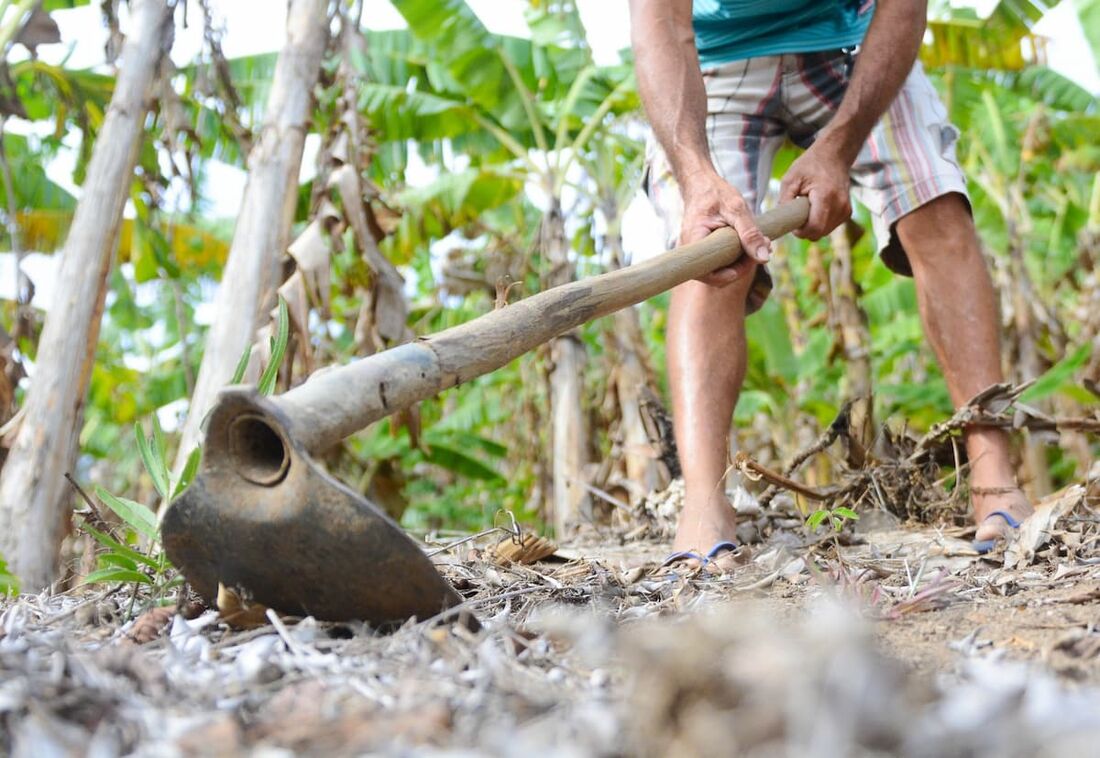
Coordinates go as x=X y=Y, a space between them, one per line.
x=710 y=203
x=822 y=176
x=885 y=60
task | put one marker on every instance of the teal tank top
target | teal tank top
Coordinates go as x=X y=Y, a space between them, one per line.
x=731 y=30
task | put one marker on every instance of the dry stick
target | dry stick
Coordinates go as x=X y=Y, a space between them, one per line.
x=31 y=487
x=754 y=470
x=456 y=610
x=464 y=540
x=972 y=414
x=1053 y=424
x=97 y=516
x=71 y=610
x=80 y=491
x=603 y=495
x=820 y=444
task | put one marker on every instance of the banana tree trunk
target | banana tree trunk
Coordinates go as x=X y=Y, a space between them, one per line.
x=1028 y=363
x=632 y=377
x=569 y=445
x=850 y=323
x=267 y=211
x=32 y=486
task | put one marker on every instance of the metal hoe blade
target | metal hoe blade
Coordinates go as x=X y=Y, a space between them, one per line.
x=262 y=517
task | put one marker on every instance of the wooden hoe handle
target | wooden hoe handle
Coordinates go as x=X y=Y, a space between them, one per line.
x=339 y=402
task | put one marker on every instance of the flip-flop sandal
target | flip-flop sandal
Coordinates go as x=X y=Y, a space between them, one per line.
x=673 y=558
x=985 y=546
x=716 y=550
x=682 y=555
x=719 y=548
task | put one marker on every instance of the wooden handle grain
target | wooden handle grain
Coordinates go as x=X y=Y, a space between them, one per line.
x=339 y=402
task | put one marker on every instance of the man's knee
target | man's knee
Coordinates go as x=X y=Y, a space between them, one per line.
x=940 y=230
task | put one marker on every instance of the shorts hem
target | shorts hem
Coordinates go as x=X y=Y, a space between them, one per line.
x=926 y=190
x=890 y=249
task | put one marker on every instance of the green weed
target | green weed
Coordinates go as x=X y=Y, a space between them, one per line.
x=137 y=556
x=837 y=517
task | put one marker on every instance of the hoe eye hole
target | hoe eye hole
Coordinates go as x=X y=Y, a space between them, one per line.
x=259 y=452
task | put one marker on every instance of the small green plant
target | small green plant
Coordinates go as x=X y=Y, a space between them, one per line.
x=279 y=341
x=124 y=559
x=836 y=516
x=9 y=582
x=137 y=556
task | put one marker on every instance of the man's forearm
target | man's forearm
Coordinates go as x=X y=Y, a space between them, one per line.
x=885 y=60
x=670 y=83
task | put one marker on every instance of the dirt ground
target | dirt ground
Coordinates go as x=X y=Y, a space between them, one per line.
x=886 y=639
x=1047 y=614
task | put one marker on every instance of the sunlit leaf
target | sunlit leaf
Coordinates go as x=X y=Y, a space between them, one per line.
x=460 y=463
x=135 y=515
x=815 y=519
x=188 y=473
x=9 y=583
x=112 y=574
x=242 y=365
x=278 y=349
x=153 y=456
x=115 y=546
x=1057 y=375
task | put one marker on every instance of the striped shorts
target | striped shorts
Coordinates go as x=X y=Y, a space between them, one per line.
x=754 y=105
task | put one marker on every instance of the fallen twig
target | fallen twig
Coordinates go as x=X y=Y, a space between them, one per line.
x=757 y=471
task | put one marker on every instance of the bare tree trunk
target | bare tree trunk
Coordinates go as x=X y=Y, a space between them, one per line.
x=850 y=323
x=32 y=487
x=267 y=210
x=632 y=376
x=1089 y=245
x=1026 y=318
x=1028 y=364
x=569 y=438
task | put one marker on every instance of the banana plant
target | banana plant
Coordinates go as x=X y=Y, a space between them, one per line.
x=529 y=109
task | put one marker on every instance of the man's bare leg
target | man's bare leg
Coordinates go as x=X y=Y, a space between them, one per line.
x=706 y=365
x=959 y=309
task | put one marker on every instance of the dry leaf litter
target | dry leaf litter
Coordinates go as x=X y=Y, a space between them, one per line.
x=596 y=655
x=883 y=638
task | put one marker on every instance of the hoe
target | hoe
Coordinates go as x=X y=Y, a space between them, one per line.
x=263 y=518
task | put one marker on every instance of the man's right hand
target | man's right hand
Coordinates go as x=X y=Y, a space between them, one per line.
x=710 y=202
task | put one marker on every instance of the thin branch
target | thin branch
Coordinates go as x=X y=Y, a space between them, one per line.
x=757 y=471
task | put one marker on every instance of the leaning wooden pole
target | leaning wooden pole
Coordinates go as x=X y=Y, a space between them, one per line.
x=339 y=402
x=263 y=227
x=33 y=502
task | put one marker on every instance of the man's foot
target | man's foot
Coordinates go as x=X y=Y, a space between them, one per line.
x=991 y=504
x=703 y=525
x=993 y=485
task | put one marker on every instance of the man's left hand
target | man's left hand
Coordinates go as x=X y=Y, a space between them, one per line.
x=822 y=176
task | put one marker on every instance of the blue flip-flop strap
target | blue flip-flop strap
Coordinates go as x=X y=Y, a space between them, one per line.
x=1006 y=516
x=986 y=546
x=683 y=555
x=981 y=547
x=721 y=547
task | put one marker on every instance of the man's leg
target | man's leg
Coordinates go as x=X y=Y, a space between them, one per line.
x=959 y=309
x=706 y=365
